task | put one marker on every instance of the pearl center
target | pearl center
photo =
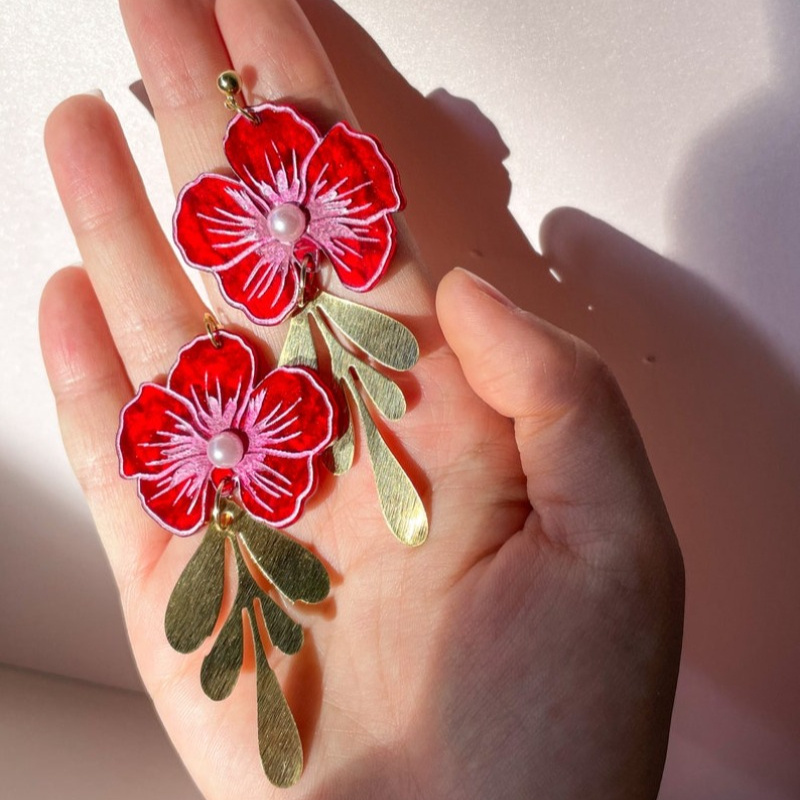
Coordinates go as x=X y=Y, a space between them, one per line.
x=287 y=223
x=225 y=450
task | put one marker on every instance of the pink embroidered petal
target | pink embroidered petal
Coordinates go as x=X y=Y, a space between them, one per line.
x=217 y=381
x=218 y=223
x=264 y=287
x=180 y=503
x=290 y=413
x=360 y=254
x=269 y=156
x=349 y=177
x=157 y=434
x=276 y=491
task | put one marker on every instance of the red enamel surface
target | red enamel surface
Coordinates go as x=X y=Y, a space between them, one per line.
x=269 y=499
x=215 y=222
x=294 y=427
x=267 y=295
x=361 y=262
x=214 y=378
x=271 y=152
x=285 y=421
x=343 y=181
x=152 y=411
x=371 y=187
x=176 y=507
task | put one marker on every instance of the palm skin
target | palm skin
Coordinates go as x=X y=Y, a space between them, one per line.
x=530 y=647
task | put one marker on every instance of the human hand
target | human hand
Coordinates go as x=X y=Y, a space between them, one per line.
x=530 y=647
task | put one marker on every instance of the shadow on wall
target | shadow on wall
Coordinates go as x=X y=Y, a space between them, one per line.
x=737 y=212
x=717 y=408
x=71 y=627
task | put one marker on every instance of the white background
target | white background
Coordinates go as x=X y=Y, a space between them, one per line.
x=673 y=121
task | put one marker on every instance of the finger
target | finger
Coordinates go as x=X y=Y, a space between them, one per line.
x=178 y=44
x=180 y=53
x=274 y=42
x=150 y=304
x=90 y=387
x=587 y=473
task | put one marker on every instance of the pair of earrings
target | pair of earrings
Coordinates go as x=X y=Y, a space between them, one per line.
x=237 y=451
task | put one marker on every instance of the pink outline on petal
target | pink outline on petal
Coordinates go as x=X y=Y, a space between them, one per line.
x=267 y=321
x=277 y=108
x=177 y=531
x=178 y=208
x=222 y=334
x=132 y=401
x=332 y=413
x=377 y=147
x=388 y=255
x=299 y=501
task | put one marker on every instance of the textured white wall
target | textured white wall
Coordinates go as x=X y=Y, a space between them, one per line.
x=676 y=122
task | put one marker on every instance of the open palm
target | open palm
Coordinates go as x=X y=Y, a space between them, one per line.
x=530 y=647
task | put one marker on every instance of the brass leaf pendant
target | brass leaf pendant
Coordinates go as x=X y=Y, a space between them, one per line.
x=368 y=334
x=194 y=608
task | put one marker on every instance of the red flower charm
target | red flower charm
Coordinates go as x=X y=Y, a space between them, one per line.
x=295 y=194
x=211 y=422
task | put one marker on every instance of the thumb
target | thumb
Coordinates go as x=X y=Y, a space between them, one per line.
x=588 y=477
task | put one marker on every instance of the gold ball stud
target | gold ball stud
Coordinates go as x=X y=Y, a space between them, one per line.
x=229 y=82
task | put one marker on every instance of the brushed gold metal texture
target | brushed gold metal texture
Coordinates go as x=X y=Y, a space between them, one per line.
x=278 y=738
x=288 y=566
x=401 y=505
x=299 y=345
x=385 y=393
x=382 y=338
x=194 y=607
x=338 y=458
x=388 y=343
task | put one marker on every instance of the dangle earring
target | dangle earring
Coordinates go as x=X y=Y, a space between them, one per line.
x=222 y=446
x=226 y=447
x=300 y=206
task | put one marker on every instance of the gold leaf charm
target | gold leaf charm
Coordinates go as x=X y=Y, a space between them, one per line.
x=388 y=343
x=194 y=607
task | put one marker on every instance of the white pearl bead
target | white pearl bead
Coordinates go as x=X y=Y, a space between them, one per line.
x=225 y=450
x=287 y=223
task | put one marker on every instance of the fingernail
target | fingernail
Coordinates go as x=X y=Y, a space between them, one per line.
x=487 y=288
x=96 y=93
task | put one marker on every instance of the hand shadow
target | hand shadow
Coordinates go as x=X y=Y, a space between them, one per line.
x=716 y=407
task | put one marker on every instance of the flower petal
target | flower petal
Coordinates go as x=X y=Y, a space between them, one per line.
x=216 y=381
x=276 y=489
x=290 y=419
x=350 y=178
x=360 y=253
x=291 y=413
x=269 y=156
x=218 y=223
x=181 y=504
x=265 y=287
x=158 y=432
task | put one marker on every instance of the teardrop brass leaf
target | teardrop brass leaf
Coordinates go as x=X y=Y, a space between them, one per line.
x=221 y=667
x=384 y=392
x=294 y=571
x=384 y=339
x=298 y=348
x=401 y=505
x=283 y=631
x=278 y=737
x=195 y=601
